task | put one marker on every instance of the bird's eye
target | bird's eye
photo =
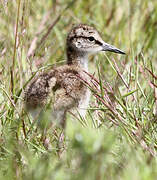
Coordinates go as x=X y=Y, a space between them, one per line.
x=91 y=38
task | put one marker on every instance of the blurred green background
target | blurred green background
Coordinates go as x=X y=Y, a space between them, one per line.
x=118 y=144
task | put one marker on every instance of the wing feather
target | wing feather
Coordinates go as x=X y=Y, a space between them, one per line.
x=38 y=90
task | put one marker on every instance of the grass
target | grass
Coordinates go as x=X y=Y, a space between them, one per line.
x=118 y=138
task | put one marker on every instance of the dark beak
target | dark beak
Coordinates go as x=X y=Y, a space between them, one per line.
x=108 y=47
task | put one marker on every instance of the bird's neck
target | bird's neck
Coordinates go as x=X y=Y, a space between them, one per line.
x=77 y=58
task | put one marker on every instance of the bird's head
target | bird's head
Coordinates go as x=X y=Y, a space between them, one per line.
x=86 y=39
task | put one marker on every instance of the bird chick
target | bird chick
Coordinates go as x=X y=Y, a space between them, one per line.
x=61 y=86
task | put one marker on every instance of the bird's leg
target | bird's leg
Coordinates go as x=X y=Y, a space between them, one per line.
x=61 y=144
x=45 y=125
x=57 y=122
x=63 y=102
x=45 y=139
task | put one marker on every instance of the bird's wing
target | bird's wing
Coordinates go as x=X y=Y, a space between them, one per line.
x=39 y=89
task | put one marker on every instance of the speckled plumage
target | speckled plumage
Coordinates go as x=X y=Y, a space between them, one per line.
x=62 y=85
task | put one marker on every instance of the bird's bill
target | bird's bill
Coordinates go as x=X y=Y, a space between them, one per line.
x=108 y=47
